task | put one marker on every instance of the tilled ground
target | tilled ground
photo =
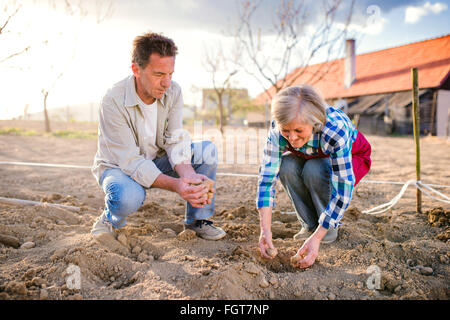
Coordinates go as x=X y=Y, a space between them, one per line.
x=45 y=247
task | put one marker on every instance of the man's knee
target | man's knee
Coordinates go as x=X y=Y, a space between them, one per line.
x=205 y=152
x=122 y=200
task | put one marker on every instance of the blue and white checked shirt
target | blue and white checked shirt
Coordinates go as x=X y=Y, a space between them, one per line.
x=335 y=139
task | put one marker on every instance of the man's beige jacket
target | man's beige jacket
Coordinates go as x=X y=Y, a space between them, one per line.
x=121 y=133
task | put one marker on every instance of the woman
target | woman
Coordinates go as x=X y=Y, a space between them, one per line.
x=319 y=156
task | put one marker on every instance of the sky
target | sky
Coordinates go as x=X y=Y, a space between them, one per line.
x=76 y=58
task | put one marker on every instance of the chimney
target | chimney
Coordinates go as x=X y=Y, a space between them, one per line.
x=350 y=63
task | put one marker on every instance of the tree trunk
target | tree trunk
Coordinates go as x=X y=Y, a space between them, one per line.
x=47 y=120
x=221 y=122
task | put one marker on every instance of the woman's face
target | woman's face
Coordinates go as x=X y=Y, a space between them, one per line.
x=296 y=132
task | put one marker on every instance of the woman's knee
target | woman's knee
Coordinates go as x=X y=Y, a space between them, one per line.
x=316 y=172
x=289 y=167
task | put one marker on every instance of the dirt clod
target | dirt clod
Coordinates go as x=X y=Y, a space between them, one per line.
x=9 y=241
x=272 y=252
x=186 y=235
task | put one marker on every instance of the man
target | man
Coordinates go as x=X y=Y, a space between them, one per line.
x=141 y=143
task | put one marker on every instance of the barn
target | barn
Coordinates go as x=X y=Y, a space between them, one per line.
x=374 y=88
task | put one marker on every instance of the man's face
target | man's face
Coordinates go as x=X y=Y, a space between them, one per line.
x=154 y=80
x=297 y=132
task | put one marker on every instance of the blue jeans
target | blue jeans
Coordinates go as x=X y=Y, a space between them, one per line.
x=308 y=185
x=123 y=195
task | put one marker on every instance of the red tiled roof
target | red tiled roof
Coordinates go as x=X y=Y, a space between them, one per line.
x=381 y=71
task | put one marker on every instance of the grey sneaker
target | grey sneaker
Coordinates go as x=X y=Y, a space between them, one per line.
x=304 y=233
x=102 y=225
x=206 y=230
x=330 y=236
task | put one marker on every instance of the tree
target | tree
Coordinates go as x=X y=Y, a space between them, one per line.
x=298 y=36
x=10 y=10
x=80 y=10
x=218 y=65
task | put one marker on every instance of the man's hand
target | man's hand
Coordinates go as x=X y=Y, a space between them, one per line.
x=196 y=195
x=202 y=179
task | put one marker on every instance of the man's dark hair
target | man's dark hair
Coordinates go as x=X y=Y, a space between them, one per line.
x=148 y=43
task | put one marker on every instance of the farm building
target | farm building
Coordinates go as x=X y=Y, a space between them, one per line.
x=375 y=88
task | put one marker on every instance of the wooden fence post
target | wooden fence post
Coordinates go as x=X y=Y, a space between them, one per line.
x=416 y=126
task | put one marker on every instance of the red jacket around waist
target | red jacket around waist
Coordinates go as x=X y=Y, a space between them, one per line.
x=361 y=151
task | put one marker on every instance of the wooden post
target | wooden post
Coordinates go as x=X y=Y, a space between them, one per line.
x=416 y=126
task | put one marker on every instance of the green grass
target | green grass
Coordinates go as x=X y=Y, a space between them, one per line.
x=68 y=134
x=75 y=134
x=17 y=132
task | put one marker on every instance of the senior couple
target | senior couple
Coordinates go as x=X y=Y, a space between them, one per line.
x=313 y=148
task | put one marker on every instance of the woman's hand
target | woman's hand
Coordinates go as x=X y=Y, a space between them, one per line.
x=310 y=248
x=265 y=242
x=265 y=238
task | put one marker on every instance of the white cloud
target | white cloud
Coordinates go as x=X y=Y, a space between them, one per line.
x=372 y=23
x=372 y=29
x=414 y=13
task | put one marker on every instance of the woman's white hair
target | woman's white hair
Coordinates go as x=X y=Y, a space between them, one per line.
x=303 y=101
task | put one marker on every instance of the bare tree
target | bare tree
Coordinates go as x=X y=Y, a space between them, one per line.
x=45 y=92
x=79 y=9
x=295 y=40
x=10 y=10
x=221 y=70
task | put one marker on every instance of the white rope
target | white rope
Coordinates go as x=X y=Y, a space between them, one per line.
x=38 y=164
x=36 y=203
x=386 y=206
x=376 y=210
x=237 y=174
x=418 y=184
x=56 y=165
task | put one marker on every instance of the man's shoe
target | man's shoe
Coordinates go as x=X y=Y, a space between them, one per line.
x=304 y=233
x=102 y=225
x=330 y=236
x=206 y=230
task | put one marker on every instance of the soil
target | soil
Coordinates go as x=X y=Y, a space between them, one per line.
x=152 y=258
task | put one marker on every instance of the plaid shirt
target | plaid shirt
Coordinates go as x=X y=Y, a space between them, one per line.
x=335 y=139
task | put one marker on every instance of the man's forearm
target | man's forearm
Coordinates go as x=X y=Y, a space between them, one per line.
x=166 y=182
x=184 y=170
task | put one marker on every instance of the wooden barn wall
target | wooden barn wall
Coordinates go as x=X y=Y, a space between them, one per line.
x=400 y=119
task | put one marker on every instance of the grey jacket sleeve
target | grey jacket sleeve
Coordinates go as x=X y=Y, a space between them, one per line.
x=117 y=144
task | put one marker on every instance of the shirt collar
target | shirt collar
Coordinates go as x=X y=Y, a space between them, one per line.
x=131 y=97
x=313 y=141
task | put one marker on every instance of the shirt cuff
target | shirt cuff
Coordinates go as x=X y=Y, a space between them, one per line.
x=327 y=222
x=146 y=174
